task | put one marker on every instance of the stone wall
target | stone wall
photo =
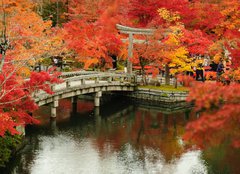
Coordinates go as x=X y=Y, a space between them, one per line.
x=158 y=95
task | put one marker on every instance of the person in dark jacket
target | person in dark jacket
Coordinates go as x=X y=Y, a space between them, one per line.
x=220 y=70
x=199 y=73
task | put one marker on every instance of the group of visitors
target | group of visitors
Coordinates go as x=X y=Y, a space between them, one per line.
x=200 y=71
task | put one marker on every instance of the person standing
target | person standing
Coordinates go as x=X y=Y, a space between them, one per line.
x=220 y=70
x=55 y=61
x=199 y=73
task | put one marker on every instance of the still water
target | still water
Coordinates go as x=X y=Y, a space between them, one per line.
x=121 y=137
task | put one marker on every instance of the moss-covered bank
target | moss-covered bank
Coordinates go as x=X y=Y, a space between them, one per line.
x=166 y=88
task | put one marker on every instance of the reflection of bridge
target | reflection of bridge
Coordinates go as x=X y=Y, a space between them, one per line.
x=84 y=83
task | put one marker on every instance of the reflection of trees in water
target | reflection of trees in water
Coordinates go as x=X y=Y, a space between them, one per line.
x=148 y=128
x=142 y=134
x=162 y=136
x=140 y=126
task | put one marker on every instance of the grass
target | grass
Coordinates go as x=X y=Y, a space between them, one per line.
x=166 y=88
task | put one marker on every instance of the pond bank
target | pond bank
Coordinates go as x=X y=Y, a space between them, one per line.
x=158 y=95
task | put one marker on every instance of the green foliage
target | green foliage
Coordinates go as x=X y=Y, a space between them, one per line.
x=8 y=143
x=67 y=69
x=120 y=66
x=46 y=61
x=54 y=11
x=164 y=95
x=78 y=64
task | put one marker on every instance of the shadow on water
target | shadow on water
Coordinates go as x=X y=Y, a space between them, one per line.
x=121 y=136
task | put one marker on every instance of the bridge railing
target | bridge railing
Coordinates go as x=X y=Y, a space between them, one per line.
x=81 y=79
x=77 y=73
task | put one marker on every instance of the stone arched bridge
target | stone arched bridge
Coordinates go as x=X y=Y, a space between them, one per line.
x=77 y=83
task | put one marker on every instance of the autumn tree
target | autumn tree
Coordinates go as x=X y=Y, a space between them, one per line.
x=212 y=29
x=217 y=103
x=20 y=45
x=94 y=37
x=145 y=13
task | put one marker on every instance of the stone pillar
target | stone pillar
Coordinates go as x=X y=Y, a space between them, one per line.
x=74 y=104
x=97 y=97
x=54 y=106
x=130 y=53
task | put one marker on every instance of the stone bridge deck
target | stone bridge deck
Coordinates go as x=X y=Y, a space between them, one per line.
x=75 y=84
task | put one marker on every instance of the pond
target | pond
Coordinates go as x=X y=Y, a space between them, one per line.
x=122 y=137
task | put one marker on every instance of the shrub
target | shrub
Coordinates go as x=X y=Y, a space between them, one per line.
x=8 y=144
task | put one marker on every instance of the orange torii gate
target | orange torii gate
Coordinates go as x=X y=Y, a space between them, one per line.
x=131 y=31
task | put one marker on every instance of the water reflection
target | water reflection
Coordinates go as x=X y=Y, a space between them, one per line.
x=117 y=138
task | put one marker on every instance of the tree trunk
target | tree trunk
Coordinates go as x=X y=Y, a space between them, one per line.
x=143 y=75
x=175 y=85
x=2 y=60
x=167 y=76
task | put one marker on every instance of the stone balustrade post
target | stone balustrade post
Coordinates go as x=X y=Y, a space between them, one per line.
x=129 y=78
x=110 y=79
x=68 y=85
x=97 y=80
x=122 y=79
x=135 y=78
x=82 y=81
x=53 y=87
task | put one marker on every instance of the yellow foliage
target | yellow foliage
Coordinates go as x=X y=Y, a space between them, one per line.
x=172 y=40
x=217 y=58
x=180 y=62
x=24 y=71
x=168 y=15
x=198 y=61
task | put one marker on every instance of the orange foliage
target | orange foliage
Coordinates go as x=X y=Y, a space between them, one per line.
x=30 y=37
x=25 y=32
x=94 y=37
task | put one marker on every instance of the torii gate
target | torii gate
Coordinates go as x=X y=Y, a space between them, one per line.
x=130 y=31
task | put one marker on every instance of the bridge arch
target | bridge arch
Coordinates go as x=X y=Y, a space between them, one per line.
x=84 y=84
